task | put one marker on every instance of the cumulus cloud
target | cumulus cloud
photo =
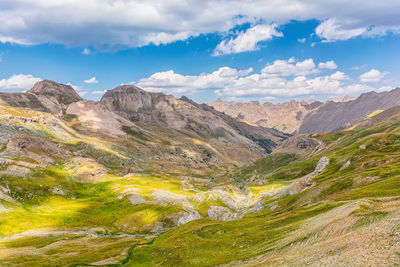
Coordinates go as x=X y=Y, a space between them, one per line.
x=158 y=38
x=372 y=76
x=327 y=65
x=247 y=40
x=104 y=24
x=290 y=67
x=340 y=76
x=91 y=80
x=282 y=78
x=330 y=30
x=19 y=82
x=174 y=83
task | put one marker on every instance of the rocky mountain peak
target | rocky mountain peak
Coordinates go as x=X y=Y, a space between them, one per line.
x=45 y=96
x=129 y=98
x=61 y=93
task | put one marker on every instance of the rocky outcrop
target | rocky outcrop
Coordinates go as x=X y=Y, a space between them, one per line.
x=301 y=145
x=304 y=182
x=221 y=213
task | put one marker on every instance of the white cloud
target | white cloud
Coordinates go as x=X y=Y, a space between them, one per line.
x=289 y=67
x=19 y=82
x=330 y=30
x=339 y=76
x=327 y=65
x=247 y=40
x=86 y=51
x=333 y=29
x=173 y=83
x=372 y=76
x=282 y=78
x=99 y=92
x=82 y=93
x=92 y=80
x=158 y=38
x=130 y=23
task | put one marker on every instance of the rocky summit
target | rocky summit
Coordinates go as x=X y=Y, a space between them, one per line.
x=46 y=96
x=145 y=179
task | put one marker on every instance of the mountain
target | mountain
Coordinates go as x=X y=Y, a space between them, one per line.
x=181 y=134
x=186 y=116
x=45 y=96
x=335 y=116
x=286 y=117
x=311 y=116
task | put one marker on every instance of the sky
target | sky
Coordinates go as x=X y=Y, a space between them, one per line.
x=269 y=51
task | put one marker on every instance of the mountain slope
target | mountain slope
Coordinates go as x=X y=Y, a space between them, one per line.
x=45 y=96
x=336 y=116
x=187 y=117
x=182 y=135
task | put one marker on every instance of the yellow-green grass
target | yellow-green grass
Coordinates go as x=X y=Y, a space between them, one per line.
x=268 y=188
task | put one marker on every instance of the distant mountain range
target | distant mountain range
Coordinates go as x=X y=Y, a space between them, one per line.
x=310 y=116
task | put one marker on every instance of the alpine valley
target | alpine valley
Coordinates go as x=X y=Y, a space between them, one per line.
x=145 y=179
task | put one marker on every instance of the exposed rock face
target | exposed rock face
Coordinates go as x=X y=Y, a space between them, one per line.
x=321 y=165
x=221 y=213
x=286 y=117
x=304 y=182
x=188 y=216
x=301 y=145
x=55 y=92
x=335 y=116
x=45 y=96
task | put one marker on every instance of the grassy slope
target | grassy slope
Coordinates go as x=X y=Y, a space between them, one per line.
x=344 y=204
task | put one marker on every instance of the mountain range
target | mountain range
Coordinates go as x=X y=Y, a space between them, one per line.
x=311 y=116
x=145 y=179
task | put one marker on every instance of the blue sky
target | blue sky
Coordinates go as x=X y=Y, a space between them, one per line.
x=280 y=52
